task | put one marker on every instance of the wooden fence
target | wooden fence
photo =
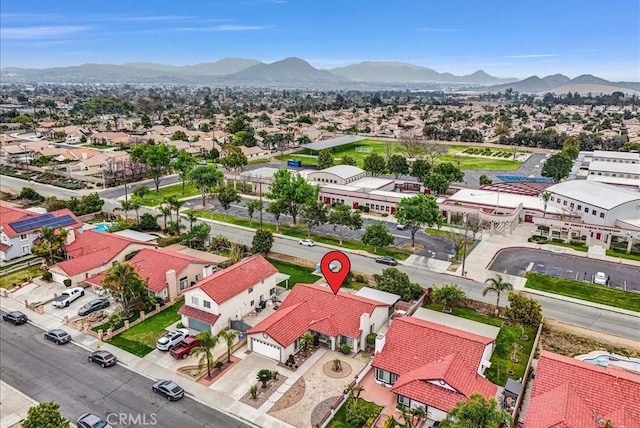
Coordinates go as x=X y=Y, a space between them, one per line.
x=527 y=375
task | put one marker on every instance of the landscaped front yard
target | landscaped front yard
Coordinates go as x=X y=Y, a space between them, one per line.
x=154 y=198
x=141 y=338
x=17 y=277
x=365 y=408
x=298 y=274
x=509 y=346
x=584 y=291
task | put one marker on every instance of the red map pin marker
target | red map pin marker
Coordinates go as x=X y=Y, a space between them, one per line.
x=327 y=267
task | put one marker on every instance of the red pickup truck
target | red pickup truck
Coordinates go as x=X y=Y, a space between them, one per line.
x=182 y=349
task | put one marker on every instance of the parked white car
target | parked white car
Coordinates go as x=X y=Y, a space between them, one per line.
x=68 y=296
x=171 y=339
x=600 y=278
x=307 y=242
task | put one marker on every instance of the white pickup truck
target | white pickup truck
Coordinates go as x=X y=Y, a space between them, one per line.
x=68 y=296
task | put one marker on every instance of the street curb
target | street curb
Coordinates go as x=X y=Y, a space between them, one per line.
x=582 y=302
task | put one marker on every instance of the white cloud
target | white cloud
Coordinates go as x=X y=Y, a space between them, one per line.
x=40 y=32
x=531 y=56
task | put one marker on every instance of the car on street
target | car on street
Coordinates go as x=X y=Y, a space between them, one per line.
x=104 y=358
x=184 y=348
x=387 y=261
x=600 y=278
x=15 y=317
x=67 y=296
x=168 y=389
x=401 y=226
x=58 y=336
x=171 y=339
x=307 y=242
x=94 y=305
x=89 y=420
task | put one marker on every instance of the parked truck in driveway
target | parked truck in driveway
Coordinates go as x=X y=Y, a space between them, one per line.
x=68 y=296
x=184 y=348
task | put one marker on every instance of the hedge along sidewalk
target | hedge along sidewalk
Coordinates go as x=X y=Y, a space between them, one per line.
x=291 y=233
x=598 y=296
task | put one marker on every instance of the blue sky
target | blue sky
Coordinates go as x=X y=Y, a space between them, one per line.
x=504 y=38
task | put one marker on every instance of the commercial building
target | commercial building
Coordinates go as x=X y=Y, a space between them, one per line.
x=616 y=168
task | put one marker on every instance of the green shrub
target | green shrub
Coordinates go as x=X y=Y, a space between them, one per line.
x=345 y=348
x=371 y=339
x=67 y=282
x=47 y=276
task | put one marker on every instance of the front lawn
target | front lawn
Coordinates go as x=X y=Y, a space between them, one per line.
x=299 y=274
x=576 y=247
x=299 y=231
x=480 y=163
x=141 y=338
x=629 y=256
x=584 y=291
x=152 y=198
x=508 y=337
x=371 y=410
x=17 y=277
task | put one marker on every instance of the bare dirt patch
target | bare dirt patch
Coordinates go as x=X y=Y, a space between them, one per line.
x=291 y=397
x=217 y=373
x=570 y=340
x=263 y=393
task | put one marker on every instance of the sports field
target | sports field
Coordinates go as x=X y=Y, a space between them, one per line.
x=361 y=149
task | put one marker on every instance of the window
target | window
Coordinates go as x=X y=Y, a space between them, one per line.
x=586 y=209
x=601 y=215
x=385 y=376
x=579 y=207
x=206 y=304
x=184 y=283
x=552 y=199
x=405 y=401
x=564 y=203
x=252 y=303
x=571 y=204
x=24 y=236
x=272 y=292
x=197 y=277
x=593 y=212
x=195 y=301
x=559 y=200
x=250 y=290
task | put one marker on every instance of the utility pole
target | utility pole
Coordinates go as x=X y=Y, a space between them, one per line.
x=261 y=206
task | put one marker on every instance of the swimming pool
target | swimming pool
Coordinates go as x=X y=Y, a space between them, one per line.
x=604 y=359
x=102 y=227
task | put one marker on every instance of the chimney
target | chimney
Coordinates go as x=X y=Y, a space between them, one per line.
x=71 y=236
x=365 y=322
x=380 y=341
x=84 y=155
x=172 y=283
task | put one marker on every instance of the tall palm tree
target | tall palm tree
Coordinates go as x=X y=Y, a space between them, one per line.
x=306 y=340
x=192 y=217
x=125 y=206
x=545 y=198
x=165 y=211
x=176 y=204
x=123 y=280
x=229 y=336
x=50 y=242
x=135 y=206
x=207 y=343
x=497 y=285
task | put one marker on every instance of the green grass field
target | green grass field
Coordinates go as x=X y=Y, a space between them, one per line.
x=584 y=291
x=152 y=198
x=299 y=274
x=378 y=147
x=7 y=281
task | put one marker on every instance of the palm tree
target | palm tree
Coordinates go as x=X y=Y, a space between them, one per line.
x=497 y=285
x=207 y=343
x=135 y=206
x=229 y=336
x=166 y=212
x=125 y=206
x=174 y=228
x=50 y=243
x=356 y=391
x=545 y=198
x=192 y=217
x=306 y=340
x=123 y=280
x=175 y=204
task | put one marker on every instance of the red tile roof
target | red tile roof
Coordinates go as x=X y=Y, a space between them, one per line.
x=228 y=283
x=93 y=249
x=315 y=307
x=198 y=314
x=573 y=394
x=4 y=247
x=153 y=265
x=419 y=351
x=10 y=214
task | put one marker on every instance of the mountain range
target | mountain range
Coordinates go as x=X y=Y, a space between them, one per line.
x=297 y=73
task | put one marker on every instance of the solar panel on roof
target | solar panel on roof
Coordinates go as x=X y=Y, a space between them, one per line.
x=26 y=224
x=522 y=179
x=46 y=220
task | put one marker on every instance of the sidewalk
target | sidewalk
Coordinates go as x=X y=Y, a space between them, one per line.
x=14 y=406
x=201 y=393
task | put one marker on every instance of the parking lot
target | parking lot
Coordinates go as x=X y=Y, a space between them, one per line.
x=517 y=261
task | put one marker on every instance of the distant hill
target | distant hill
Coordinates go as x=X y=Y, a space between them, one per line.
x=402 y=72
x=219 y=68
x=561 y=84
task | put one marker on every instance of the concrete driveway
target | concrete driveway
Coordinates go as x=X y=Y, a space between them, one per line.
x=236 y=382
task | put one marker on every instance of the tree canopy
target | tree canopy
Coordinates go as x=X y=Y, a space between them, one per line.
x=398 y=166
x=45 y=415
x=374 y=164
x=417 y=212
x=325 y=159
x=157 y=157
x=344 y=218
x=394 y=281
x=292 y=190
x=205 y=178
x=127 y=286
x=183 y=164
x=377 y=235
x=557 y=167
x=476 y=412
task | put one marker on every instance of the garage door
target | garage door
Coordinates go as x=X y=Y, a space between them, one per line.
x=266 y=349
x=58 y=277
x=198 y=325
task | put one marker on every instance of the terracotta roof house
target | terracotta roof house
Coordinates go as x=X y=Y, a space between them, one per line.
x=19 y=228
x=334 y=319
x=431 y=365
x=229 y=294
x=91 y=253
x=569 y=393
x=168 y=273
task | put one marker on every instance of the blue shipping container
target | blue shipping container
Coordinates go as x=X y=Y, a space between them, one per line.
x=294 y=163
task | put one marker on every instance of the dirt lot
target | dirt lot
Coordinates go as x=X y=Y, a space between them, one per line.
x=570 y=340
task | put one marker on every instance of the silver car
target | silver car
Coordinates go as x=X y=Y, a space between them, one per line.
x=171 y=339
x=89 y=420
x=58 y=336
x=169 y=389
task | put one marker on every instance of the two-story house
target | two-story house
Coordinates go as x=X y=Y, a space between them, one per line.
x=20 y=229
x=431 y=365
x=168 y=273
x=229 y=294
x=91 y=253
x=334 y=320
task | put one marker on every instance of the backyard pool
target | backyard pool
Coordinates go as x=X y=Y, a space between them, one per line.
x=605 y=359
x=102 y=227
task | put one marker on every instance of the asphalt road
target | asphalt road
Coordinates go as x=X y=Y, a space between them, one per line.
x=516 y=261
x=46 y=372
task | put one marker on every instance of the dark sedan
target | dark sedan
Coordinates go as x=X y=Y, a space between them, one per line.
x=169 y=389
x=15 y=317
x=94 y=305
x=387 y=261
x=58 y=336
x=104 y=358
